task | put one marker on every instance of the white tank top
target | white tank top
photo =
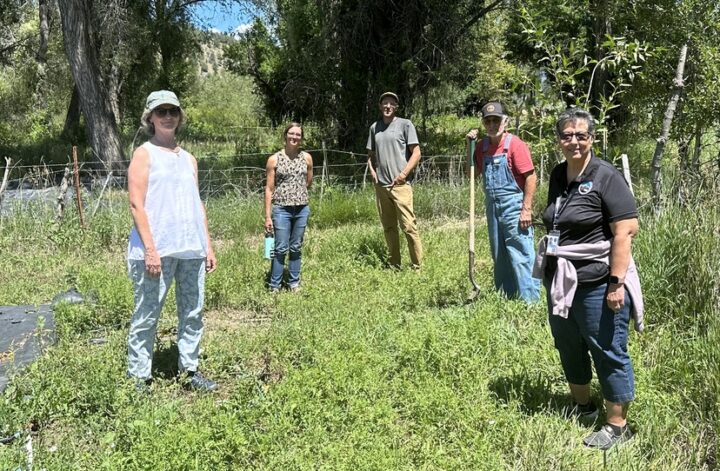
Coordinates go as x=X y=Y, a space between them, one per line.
x=173 y=206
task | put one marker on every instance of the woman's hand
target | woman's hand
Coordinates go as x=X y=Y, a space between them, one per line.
x=472 y=135
x=210 y=261
x=152 y=263
x=616 y=296
x=268 y=225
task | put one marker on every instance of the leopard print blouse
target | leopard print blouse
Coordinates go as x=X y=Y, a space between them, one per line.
x=290 y=180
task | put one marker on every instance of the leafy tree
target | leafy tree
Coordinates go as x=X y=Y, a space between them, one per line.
x=328 y=60
x=12 y=12
x=588 y=58
x=214 y=115
x=102 y=129
x=32 y=98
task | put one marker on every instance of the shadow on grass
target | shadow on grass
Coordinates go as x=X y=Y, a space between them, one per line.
x=532 y=393
x=165 y=360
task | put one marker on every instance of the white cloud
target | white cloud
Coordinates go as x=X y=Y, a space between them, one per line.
x=242 y=29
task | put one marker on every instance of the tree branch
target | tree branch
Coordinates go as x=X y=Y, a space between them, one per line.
x=478 y=16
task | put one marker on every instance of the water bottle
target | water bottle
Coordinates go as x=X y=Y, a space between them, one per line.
x=269 y=245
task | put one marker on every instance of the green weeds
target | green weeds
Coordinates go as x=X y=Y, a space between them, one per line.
x=366 y=368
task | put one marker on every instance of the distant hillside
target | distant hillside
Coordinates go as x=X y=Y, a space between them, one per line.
x=211 y=46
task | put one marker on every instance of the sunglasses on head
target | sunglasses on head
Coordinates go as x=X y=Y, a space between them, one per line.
x=162 y=112
x=580 y=136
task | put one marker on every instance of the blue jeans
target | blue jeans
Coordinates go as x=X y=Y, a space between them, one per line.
x=289 y=223
x=150 y=293
x=591 y=326
x=512 y=248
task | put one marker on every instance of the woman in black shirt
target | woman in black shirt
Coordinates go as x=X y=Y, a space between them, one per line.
x=591 y=218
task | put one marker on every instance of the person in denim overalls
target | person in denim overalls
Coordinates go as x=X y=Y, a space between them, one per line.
x=509 y=182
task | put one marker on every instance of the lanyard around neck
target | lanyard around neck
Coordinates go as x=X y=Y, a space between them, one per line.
x=559 y=209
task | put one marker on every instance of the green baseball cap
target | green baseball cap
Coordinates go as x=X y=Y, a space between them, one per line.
x=161 y=97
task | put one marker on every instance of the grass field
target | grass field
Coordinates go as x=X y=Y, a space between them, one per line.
x=366 y=368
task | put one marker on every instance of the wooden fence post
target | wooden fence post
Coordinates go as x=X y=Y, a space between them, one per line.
x=6 y=175
x=626 y=172
x=366 y=172
x=77 y=187
x=102 y=192
x=60 y=212
x=324 y=171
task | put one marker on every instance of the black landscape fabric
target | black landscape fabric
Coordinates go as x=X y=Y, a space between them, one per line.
x=22 y=335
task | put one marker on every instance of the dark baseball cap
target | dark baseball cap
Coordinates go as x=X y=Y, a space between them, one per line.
x=493 y=108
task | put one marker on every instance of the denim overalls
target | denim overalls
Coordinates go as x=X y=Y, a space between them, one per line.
x=513 y=249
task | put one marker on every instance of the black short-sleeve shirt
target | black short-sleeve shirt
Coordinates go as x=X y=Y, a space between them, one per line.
x=587 y=207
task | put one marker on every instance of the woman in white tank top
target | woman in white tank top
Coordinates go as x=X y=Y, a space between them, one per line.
x=169 y=241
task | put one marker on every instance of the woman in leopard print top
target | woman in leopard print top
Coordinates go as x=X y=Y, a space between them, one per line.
x=289 y=176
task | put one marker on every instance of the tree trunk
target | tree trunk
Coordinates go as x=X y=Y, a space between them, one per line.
x=698 y=148
x=44 y=27
x=601 y=27
x=40 y=93
x=665 y=132
x=717 y=134
x=71 y=128
x=684 y=154
x=102 y=131
x=114 y=85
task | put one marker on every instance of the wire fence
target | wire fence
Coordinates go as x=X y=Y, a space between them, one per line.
x=238 y=174
x=38 y=187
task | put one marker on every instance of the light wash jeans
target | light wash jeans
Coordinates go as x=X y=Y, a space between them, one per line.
x=289 y=223
x=512 y=248
x=189 y=276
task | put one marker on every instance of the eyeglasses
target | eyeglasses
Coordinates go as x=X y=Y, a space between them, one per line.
x=162 y=112
x=580 y=136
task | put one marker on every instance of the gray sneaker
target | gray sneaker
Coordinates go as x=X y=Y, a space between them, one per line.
x=195 y=381
x=606 y=438
x=586 y=414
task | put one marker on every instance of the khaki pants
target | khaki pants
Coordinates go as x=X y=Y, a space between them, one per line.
x=395 y=205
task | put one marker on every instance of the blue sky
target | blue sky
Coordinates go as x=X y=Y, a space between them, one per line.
x=210 y=15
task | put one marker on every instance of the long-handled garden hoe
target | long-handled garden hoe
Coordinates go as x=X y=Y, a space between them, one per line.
x=471 y=251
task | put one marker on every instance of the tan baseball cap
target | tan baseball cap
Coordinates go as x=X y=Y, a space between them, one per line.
x=397 y=100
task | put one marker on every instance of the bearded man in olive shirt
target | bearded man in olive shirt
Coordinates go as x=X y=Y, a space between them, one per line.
x=393 y=153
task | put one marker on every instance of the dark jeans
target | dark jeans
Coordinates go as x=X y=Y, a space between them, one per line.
x=592 y=329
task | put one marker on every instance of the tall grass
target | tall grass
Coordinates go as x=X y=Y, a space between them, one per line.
x=367 y=368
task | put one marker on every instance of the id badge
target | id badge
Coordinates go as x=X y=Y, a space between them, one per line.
x=553 y=239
